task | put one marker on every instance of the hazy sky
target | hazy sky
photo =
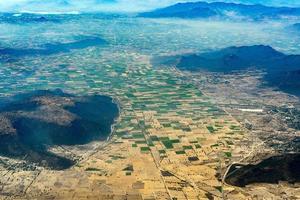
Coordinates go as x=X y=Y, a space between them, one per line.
x=111 y=5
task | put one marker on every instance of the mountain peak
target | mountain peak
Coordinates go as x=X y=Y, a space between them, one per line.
x=221 y=9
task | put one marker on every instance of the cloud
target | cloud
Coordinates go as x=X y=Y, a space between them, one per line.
x=110 y=5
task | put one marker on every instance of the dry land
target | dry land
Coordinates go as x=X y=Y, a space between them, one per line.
x=175 y=138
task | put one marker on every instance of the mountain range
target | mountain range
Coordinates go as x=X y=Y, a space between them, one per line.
x=282 y=71
x=32 y=122
x=296 y=27
x=223 y=10
x=82 y=42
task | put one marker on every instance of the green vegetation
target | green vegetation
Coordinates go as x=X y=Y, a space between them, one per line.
x=167 y=125
x=162 y=151
x=138 y=136
x=150 y=143
x=164 y=138
x=175 y=141
x=187 y=129
x=128 y=173
x=236 y=128
x=121 y=134
x=180 y=152
x=211 y=129
x=187 y=147
x=214 y=145
x=154 y=138
x=229 y=142
x=92 y=169
x=134 y=145
x=220 y=188
x=228 y=154
x=145 y=149
x=168 y=144
x=141 y=142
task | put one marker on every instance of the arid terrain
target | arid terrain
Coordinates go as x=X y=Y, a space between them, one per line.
x=176 y=136
x=112 y=123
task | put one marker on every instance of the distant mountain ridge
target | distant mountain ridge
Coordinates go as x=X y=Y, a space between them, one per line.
x=296 y=27
x=235 y=58
x=25 y=18
x=240 y=58
x=82 y=42
x=223 y=10
x=283 y=71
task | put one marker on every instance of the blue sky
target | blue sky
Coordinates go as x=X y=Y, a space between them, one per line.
x=112 y=5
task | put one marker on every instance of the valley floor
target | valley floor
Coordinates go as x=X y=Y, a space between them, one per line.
x=174 y=139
